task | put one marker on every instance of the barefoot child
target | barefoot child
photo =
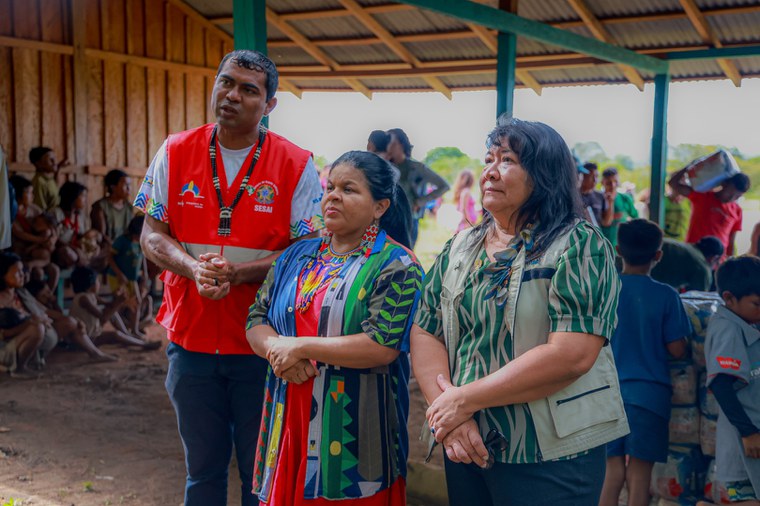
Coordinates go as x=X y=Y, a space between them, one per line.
x=651 y=324
x=87 y=307
x=732 y=350
x=125 y=268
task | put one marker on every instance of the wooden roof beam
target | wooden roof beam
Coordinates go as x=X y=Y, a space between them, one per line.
x=508 y=22
x=701 y=25
x=313 y=50
x=199 y=18
x=487 y=38
x=600 y=32
x=397 y=47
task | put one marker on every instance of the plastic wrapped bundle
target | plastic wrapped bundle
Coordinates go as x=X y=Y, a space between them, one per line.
x=715 y=491
x=674 y=479
x=684 y=425
x=708 y=406
x=707 y=428
x=683 y=377
x=709 y=171
x=699 y=307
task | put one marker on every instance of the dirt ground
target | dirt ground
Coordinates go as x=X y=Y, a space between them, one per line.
x=105 y=434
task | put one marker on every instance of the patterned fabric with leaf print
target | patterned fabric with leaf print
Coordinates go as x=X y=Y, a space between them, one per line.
x=358 y=441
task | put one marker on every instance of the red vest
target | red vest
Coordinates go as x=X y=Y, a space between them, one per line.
x=260 y=226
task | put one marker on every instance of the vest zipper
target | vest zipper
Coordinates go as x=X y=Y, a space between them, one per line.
x=574 y=397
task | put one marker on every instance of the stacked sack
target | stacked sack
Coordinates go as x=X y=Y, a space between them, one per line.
x=683 y=479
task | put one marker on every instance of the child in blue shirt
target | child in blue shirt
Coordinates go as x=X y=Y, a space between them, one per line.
x=732 y=352
x=126 y=269
x=652 y=324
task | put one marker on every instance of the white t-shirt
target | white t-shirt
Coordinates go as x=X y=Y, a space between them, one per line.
x=305 y=208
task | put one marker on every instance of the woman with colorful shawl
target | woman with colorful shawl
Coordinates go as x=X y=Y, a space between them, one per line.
x=333 y=319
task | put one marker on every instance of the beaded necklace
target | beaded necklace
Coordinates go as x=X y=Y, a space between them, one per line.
x=225 y=212
x=322 y=270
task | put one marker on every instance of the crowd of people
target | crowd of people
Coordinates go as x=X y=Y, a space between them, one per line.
x=57 y=243
x=296 y=310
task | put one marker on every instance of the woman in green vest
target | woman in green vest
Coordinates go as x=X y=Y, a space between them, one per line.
x=510 y=341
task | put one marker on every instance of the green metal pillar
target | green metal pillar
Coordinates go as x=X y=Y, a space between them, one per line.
x=505 y=73
x=249 y=22
x=659 y=148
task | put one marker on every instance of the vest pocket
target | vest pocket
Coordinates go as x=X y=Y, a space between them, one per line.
x=583 y=405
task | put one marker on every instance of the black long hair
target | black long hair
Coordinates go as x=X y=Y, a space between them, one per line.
x=382 y=179
x=7 y=260
x=70 y=192
x=554 y=204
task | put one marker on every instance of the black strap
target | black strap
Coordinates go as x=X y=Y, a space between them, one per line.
x=225 y=212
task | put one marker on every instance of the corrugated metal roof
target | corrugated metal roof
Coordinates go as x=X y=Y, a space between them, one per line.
x=375 y=53
x=443 y=44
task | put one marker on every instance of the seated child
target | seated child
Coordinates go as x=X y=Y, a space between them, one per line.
x=34 y=236
x=69 y=329
x=77 y=243
x=126 y=269
x=21 y=333
x=87 y=308
x=732 y=351
x=652 y=324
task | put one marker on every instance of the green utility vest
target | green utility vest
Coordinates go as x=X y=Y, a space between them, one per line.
x=584 y=415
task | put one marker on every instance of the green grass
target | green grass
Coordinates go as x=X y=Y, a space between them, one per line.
x=431 y=239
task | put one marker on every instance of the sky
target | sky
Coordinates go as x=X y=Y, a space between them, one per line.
x=618 y=117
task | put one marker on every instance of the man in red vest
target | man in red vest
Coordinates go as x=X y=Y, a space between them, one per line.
x=222 y=201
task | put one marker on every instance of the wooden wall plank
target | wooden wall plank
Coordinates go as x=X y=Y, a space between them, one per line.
x=157 y=127
x=52 y=20
x=51 y=79
x=137 y=148
x=213 y=57
x=7 y=136
x=155 y=30
x=52 y=115
x=95 y=139
x=195 y=85
x=135 y=27
x=26 y=86
x=26 y=19
x=114 y=26
x=68 y=109
x=26 y=79
x=114 y=103
x=7 y=117
x=175 y=45
x=92 y=15
x=155 y=39
x=137 y=136
x=114 y=114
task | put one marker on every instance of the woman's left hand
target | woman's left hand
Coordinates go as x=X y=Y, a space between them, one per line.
x=448 y=410
x=282 y=354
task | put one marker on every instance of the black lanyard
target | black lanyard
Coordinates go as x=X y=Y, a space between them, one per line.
x=225 y=212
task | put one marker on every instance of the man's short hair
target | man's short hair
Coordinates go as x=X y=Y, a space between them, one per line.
x=638 y=241
x=380 y=139
x=609 y=172
x=740 y=181
x=589 y=166
x=36 y=154
x=710 y=246
x=740 y=276
x=253 y=60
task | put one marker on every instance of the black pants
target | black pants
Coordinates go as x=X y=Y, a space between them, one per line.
x=218 y=400
x=576 y=482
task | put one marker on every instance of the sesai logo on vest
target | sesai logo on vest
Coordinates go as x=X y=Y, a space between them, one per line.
x=264 y=194
x=190 y=194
